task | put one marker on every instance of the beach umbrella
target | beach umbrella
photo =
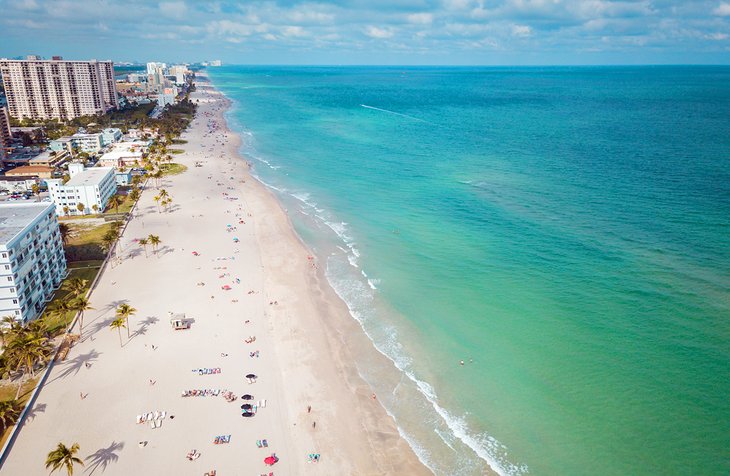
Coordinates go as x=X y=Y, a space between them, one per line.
x=270 y=460
x=250 y=376
x=247 y=414
x=246 y=406
x=247 y=397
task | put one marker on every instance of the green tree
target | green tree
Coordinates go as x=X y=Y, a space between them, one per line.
x=8 y=327
x=143 y=242
x=81 y=208
x=9 y=413
x=125 y=311
x=24 y=351
x=81 y=305
x=134 y=194
x=76 y=286
x=66 y=210
x=64 y=457
x=117 y=324
x=158 y=199
x=65 y=232
x=115 y=201
x=155 y=242
x=60 y=309
x=95 y=207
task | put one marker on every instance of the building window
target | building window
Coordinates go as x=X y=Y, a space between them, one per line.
x=15 y=301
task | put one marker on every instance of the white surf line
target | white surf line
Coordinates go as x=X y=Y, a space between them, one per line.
x=393 y=112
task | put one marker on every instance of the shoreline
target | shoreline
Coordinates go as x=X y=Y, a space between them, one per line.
x=335 y=319
x=303 y=339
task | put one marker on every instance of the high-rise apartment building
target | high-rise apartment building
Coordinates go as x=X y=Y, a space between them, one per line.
x=32 y=263
x=6 y=135
x=58 y=89
x=153 y=66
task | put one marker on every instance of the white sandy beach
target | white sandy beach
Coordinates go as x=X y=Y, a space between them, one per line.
x=303 y=339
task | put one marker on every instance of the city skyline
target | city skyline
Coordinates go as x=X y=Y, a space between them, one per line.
x=402 y=32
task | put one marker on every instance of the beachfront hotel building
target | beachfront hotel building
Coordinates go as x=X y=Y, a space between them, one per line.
x=32 y=263
x=91 y=188
x=6 y=135
x=58 y=89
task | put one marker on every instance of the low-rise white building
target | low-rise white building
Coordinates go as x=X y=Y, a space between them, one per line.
x=123 y=177
x=124 y=154
x=111 y=135
x=90 y=188
x=32 y=263
x=90 y=143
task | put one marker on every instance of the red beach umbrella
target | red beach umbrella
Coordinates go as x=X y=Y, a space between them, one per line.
x=270 y=460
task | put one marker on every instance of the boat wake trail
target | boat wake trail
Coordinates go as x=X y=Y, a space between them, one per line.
x=394 y=113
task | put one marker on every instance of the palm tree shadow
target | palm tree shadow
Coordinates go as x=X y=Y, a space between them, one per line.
x=73 y=366
x=103 y=457
x=34 y=411
x=144 y=325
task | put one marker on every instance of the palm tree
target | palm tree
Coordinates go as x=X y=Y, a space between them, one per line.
x=24 y=351
x=65 y=231
x=154 y=241
x=134 y=194
x=117 y=324
x=8 y=327
x=80 y=305
x=143 y=242
x=9 y=413
x=64 y=456
x=80 y=208
x=158 y=199
x=66 y=210
x=124 y=311
x=76 y=286
x=163 y=193
x=95 y=207
x=60 y=309
x=116 y=200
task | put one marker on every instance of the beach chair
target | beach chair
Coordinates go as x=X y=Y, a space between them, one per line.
x=140 y=419
x=265 y=443
x=258 y=443
x=152 y=424
x=158 y=423
x=162 y=415
x=263 y=403
x=217 y=440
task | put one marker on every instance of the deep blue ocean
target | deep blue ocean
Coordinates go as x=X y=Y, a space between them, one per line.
x=563 y=231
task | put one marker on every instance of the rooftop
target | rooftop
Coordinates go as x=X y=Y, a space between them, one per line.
x=29 y=170
x=14 y=217
x=89 y=177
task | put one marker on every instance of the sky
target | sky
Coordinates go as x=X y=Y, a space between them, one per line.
x=381 y=32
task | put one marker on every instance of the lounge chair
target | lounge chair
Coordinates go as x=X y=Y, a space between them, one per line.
x=265 y=443
x=258 y=443
x=152 y=424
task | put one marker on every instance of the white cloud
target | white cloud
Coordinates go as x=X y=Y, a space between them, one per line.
x=26 y=5
x=722 y=10
x=293 y=31
x=420 y=18
x=375 y=32
x=176 y=10
x=521 y=31
x=717 y=36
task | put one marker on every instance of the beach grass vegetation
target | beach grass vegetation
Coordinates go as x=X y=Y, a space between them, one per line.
x=172 y=169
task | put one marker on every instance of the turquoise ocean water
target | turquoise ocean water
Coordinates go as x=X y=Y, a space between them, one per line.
x=564 y=231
